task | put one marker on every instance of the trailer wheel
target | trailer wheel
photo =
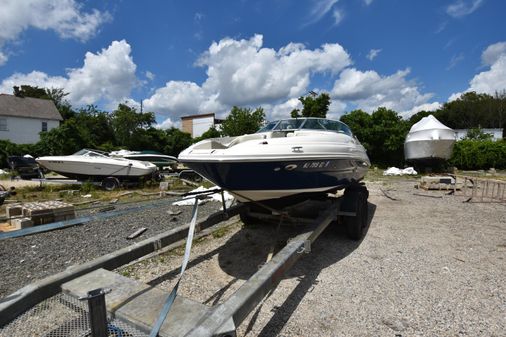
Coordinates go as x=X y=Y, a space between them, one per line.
x=110 y=183
x=355 y=200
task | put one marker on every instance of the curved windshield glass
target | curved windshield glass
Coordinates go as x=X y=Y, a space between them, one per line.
x=307 y=124
x=89 y=153
x=268 y=127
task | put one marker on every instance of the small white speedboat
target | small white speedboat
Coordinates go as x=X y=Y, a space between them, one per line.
x=429 y=141
x=285 y=158
x=96 y=165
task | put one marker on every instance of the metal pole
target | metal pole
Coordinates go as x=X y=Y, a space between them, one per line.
x=97 y=312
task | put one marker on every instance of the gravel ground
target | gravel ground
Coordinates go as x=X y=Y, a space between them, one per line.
x=26 y=259
x=427 y=267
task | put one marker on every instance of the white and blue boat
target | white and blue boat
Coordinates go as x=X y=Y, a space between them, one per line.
x=289 y=157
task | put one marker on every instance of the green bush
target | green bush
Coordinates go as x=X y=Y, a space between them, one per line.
x=471 y=154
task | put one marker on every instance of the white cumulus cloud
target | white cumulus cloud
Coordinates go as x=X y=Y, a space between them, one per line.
x=108 y=75
x=493 y=79
x=369 y=90
x=66 y=17
x=493 y=53
x=244 y=73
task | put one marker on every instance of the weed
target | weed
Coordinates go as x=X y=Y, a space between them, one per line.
x=221 y=232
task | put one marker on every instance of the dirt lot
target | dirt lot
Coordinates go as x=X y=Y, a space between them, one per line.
x=427 y=267
x=7 y=183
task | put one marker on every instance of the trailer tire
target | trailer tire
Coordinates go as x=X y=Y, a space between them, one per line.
x=355 y=200
x=110 y=183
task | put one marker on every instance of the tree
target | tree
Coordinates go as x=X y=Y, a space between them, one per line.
x=241 y=121
x=382 y=133
x=57 y=95
x=211 y=133
x=126 y=122
x=478 y=134
x=359 y=122
x=95 y=125
x=313 y=106
x=30 y=91
x=66 y=139
x=176 y=141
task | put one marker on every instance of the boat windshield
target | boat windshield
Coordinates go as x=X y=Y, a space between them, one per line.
x=89 y=153
x=307 y=124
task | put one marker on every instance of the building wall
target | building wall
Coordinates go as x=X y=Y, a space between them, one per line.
x=25 y=130
x=187 y=125
x=496 y=133
x=201 y=125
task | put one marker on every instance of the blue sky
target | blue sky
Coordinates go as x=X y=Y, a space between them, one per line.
x=188 y=57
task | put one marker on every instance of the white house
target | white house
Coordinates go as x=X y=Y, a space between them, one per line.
x=23 y=118
x=196 y=125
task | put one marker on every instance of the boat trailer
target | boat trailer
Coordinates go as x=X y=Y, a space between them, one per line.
x=153 y=312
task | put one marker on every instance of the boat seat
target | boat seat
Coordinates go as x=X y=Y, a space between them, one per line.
x=246 y=138
x=211 y=145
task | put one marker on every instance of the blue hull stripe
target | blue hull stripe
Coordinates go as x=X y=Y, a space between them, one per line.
x=284 y=175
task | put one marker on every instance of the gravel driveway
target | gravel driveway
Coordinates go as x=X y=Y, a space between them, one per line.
x=427 y=267
x=26 y=259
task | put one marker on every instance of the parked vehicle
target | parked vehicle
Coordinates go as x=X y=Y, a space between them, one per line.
x=25 y=166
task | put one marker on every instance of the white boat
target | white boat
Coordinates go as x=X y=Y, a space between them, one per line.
x=285 y=158
x=429 y=141
x=96 y=165
x=162 y=161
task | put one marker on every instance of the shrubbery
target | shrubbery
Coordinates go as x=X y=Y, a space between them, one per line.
x=479 y=154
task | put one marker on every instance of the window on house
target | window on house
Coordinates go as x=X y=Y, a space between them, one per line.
x=3 y=124
x=44 y=126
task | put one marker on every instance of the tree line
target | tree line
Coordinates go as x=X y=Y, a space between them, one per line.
x=382 y=132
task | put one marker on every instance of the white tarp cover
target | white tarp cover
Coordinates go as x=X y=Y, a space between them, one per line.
x=394 y=171
x=428 y=123
x=190 y=199
x=3 y=172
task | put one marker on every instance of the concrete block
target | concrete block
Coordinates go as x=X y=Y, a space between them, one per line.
x=13 y=210
x=20 y=223
x=140 y=304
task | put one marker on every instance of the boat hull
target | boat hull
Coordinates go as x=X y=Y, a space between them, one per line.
x=264 y=180
x=427 y=150
x=96 y=171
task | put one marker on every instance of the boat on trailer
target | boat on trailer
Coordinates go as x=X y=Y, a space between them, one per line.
x=162 y=161
x=96 y=165
x=286 y=158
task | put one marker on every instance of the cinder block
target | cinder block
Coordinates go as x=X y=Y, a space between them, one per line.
x=20 y=223
x=13 y=210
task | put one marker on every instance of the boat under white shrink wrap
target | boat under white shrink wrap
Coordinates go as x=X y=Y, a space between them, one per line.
x=429 y=141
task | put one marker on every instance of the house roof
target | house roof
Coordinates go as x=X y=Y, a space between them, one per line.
x=198 y=116
x=28 y=107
